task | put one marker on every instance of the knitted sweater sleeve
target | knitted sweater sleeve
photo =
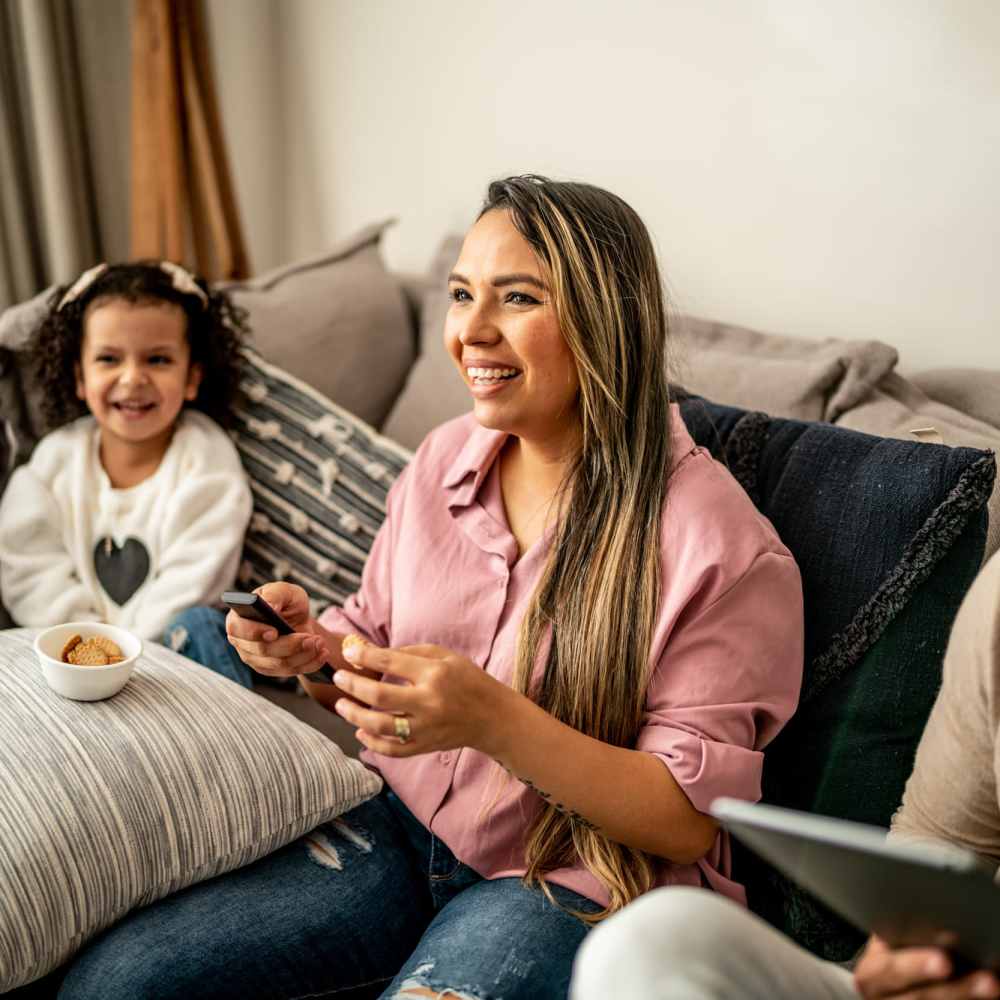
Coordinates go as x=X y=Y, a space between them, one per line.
x=38 y=580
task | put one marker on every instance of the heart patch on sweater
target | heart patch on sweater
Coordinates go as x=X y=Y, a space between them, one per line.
x=121 y=569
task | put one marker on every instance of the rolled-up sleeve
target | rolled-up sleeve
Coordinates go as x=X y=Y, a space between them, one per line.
x=727 y=679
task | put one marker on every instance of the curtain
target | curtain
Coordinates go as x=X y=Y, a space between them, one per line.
x=48 y=216
x=183 y=205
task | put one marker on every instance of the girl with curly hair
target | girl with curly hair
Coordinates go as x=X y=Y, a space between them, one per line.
x=134 y=507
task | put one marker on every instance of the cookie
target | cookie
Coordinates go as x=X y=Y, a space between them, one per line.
x=108 y=645
x=88 y=654
x=351 y=642
x=71 y=643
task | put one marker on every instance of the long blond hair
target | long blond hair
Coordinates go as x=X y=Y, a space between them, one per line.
x=600 y=589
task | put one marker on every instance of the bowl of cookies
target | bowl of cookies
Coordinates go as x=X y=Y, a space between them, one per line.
x=87 y=661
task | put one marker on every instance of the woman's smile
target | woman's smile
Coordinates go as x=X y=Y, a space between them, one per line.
x=488 y=380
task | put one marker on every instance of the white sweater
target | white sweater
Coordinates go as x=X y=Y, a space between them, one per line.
x=74 y=548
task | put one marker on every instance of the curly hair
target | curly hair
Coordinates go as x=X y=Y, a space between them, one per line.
x=215 y=333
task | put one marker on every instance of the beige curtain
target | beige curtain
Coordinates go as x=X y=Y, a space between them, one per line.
x=183 y=205
x=48 y=217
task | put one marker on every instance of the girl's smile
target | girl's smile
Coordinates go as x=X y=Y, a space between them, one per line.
x=135 y=374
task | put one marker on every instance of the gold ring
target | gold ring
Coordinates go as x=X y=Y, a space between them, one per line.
x=402 y=726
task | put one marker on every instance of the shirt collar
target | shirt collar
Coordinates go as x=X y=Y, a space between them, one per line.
x=466 y=474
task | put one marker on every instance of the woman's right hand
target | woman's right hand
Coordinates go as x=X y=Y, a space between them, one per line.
x=260 y=647
x=916 y=974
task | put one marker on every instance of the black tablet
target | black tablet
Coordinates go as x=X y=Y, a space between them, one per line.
x=908 y=893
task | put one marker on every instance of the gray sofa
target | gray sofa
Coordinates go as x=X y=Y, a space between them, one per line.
x=344 y=327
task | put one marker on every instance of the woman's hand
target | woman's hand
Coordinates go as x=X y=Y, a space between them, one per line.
x=259 y=646
x=447 y=701
x=916 y=974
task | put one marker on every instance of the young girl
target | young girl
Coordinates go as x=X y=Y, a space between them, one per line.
x=137 y=510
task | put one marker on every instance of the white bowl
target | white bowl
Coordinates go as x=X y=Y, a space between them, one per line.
x=85 y=683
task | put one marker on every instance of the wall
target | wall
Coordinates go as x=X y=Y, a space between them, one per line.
x=806 y=167
x=243 y=35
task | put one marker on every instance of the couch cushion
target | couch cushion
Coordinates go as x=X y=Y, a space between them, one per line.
x=888 y=535
x=340 y=321
x=434 y=392
x=106 y=806
x=319 y=477
x=897 y=408
x=787 y=376
x=20 y=397
x=972 y=391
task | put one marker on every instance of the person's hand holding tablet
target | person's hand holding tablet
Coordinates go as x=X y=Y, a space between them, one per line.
x=917 y=974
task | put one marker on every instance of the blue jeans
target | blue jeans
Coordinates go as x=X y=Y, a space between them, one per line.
x=370 y=905
x=200 y=635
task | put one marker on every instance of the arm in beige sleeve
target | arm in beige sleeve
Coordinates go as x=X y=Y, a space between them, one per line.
x=951 y=795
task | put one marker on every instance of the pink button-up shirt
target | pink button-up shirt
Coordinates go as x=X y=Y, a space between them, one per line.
x=727 y=646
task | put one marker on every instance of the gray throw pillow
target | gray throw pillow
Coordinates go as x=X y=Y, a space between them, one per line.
x=107 y=806
x=434 y=391
x=784 y=376
x=319 y=477
x=974 y=391
x=340 y=321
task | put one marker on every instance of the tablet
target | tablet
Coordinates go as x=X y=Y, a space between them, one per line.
x=908 y=893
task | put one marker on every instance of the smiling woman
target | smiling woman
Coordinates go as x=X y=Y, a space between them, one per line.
x=578 y=631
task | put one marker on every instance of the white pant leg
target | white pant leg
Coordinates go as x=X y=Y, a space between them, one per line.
x=693 y=944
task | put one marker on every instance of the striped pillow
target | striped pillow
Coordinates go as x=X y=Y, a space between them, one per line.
x=319 y=477
x=106 y=806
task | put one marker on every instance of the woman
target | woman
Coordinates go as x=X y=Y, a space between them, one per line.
x=581 y=631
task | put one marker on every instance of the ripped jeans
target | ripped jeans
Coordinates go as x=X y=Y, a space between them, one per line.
x=370 y=905
x=199 y=633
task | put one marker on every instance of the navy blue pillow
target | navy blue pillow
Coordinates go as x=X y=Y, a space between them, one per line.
x=888 y=536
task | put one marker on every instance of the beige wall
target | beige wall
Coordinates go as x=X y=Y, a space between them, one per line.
x=244 y=36
x=806 y=167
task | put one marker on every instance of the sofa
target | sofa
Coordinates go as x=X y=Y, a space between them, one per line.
x=883 y=486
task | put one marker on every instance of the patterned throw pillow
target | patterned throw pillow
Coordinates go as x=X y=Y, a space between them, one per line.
x=319 y=477
x=888 y=536
x=107 y=806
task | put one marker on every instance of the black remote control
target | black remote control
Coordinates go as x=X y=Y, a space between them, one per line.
x=255 y=608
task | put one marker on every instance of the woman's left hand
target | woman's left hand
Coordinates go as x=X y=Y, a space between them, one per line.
x=447 y=701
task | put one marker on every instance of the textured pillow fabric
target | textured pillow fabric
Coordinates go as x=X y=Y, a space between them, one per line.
x=897 y=408
x=888 y=536
x=106 y=806
x=787 y=376
x=434 y=391
x=340 y=321
x=319 y=477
